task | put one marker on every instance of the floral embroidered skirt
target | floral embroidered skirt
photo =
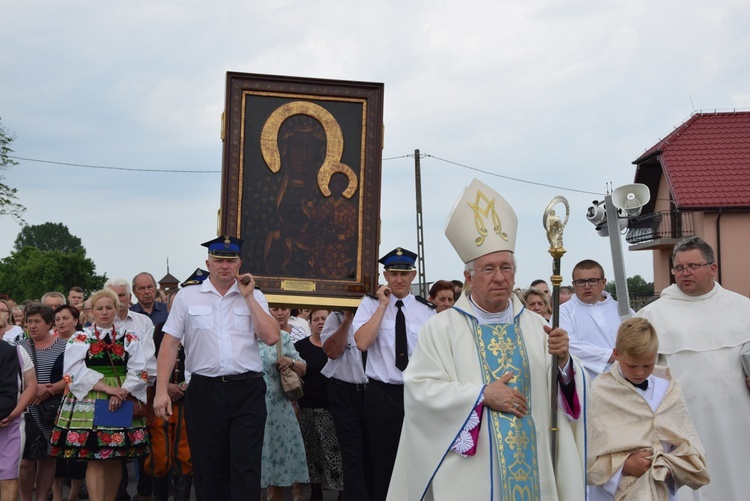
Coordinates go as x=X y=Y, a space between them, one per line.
x=75 y=436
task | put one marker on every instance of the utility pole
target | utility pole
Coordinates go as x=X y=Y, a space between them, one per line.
x=420 y=232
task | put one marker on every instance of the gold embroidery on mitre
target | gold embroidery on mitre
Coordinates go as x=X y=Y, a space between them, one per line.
x=488 y=210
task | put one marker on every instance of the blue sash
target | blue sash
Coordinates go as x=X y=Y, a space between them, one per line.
x=501 y=349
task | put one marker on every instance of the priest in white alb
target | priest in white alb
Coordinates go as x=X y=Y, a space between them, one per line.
x=703 y=329
x=477 y=388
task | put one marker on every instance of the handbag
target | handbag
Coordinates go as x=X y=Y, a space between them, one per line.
x=291 y=383
x=139 y=408
x=50 y=408
x=36 y=442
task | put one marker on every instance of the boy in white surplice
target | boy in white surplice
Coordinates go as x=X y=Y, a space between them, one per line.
x=642 y=442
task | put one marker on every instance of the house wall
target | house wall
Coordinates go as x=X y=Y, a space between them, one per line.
x=662 y=271
x=734 y=228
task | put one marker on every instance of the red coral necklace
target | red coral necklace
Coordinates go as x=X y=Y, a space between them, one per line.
x=109 y=347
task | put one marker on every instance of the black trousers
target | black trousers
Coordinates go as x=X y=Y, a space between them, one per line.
x=347 y=406
x=144 y=486
x=384 y=411
x=225 y=422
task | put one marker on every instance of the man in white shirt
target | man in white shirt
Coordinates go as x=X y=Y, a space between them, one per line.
x=591 y=318
x=346 y=398
x=387 y=327
x=219 y=323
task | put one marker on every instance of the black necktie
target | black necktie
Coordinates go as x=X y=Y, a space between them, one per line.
x=402 y=356
x=643 y=385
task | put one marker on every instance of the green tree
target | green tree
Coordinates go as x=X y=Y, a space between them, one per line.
x=637 y=286
x=30 y=272
x=47 y=237
x=8 y=199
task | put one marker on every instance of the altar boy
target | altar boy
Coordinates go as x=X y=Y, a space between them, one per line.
x=642 y=442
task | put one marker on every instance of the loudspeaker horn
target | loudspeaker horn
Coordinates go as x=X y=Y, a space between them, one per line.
x=631 y=198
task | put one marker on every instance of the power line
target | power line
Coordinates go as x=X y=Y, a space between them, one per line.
x=513 y=178
x=117 y=168
x=423 y=155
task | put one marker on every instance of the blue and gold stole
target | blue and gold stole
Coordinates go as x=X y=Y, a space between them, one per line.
x=501 y=349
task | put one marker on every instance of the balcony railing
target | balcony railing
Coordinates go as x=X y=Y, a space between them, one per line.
x=658 y=225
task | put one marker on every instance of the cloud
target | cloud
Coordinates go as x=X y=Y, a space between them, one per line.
x=560 y=92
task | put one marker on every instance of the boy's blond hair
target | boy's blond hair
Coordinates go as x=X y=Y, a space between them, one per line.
x=637 y=338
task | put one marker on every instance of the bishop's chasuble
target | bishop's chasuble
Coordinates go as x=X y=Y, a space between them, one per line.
x=444 y=383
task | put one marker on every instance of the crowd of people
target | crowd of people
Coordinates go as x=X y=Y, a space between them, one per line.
x=406 y=398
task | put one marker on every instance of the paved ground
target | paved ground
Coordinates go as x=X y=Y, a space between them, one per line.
x=327 y=495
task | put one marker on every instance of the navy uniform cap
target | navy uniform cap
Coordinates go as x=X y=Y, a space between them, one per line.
x=197 y=277
x=225 y=247
x=399 y=259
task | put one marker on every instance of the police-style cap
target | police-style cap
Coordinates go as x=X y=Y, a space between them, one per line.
x=225 y=247
x=399 y=259
x=197 y=277
x=481 y=222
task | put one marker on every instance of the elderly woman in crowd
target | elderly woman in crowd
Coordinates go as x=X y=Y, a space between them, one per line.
x=18 y=389
x=442 y=295
x=538 y=302
x=107 y=364
x=12 y=332
x=284 y=462
x=47 y=352
x=66 y=324
x=316 y=423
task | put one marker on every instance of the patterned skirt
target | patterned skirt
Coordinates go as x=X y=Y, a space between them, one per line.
x=75 y=436
x=322 y=448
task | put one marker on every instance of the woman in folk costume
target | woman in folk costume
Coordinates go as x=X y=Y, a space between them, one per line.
x=101 y=363
x=642 y=443
x=477 y=388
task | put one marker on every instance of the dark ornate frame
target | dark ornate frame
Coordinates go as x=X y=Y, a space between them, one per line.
x=299 y=253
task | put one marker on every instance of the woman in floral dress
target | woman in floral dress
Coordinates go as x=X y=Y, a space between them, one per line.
x=284 y=462
x=89 y=359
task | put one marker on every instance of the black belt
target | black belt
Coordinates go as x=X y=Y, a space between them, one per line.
x=231 y=377
x=386 y=386
x=351 y=386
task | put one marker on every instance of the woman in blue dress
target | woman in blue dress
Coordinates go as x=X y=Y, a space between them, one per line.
x=284 y=460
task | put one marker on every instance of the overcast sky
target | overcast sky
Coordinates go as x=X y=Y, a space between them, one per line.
x=560 y=92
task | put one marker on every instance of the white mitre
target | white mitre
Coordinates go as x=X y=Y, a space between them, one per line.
x=481 y=222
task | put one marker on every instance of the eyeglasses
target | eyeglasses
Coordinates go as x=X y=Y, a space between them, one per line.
x=490 y=271
x=691 y=267
x=581 y=282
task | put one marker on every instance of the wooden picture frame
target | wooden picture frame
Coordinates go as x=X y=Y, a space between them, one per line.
x=301 y=185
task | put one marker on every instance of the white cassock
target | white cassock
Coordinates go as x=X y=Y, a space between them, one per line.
x=442 y=386
x=700 y=338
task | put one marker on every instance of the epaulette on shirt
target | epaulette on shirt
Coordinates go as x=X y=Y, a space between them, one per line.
x=425 y=302
x=418 y=298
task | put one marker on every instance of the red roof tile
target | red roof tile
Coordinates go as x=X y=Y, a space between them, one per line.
x=706 y=160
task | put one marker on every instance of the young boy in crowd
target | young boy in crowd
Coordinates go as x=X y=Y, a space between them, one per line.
x=641 y=441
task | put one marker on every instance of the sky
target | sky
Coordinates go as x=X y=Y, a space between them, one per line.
x=536 y=99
